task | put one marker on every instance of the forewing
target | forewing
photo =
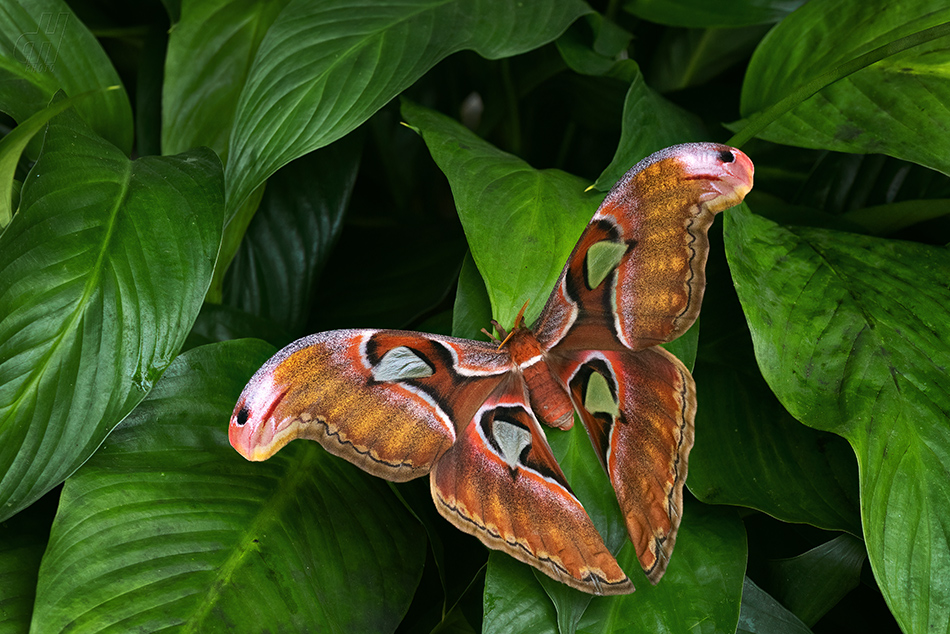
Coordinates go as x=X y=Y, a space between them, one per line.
x=638 y=408
x=388 y=401
x=501 y=483
x=637 y=275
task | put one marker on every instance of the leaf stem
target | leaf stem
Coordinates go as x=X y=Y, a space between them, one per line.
x=761 y=120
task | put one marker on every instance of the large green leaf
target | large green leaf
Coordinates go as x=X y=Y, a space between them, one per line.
x=534 y=217
x=700 y=591
x=514 y=601
x=644 y=109
x=884 y=108
x=44 y=48
x=167 y=527
x=750 y=452
x=210 y=52
x=102 y=272
x=850 y=333
x=324 y=68
x=291 y=235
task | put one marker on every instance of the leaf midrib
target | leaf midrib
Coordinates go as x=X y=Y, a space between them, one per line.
x=298 y=472
x=69 y=324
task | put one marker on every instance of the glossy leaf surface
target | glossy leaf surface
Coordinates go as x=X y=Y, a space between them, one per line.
x=290 y=237
x=167 y=527
x=210 y=52
x=839 y=322
x=322 y=69
x=44 y=48
x=878 y=109
x=750 y=452
x=533 y=216
x=762 y=614
x=102 y=272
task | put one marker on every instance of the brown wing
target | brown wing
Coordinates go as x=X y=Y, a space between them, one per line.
x=386 y=400
x=636 y=277
x=638 y=408
x=501 y=483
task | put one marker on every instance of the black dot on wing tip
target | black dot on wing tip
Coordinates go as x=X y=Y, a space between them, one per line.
x=726 y=156
x=242 y=416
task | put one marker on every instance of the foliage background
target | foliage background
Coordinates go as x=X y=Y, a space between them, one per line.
x=186 y=186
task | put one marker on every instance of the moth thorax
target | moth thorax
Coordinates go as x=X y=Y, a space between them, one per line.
x=549 y=398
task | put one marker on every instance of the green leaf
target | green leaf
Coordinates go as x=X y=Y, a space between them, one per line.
x=324 y=68
x=702 y=13
x=750 y=452
x=472 y=309
x=700 y=591
x=762 y=614
x=849 y=332
x=812 y=583
x=514 y=600
x=210 y=53
x=605 y=55
x=532 y=216
x=880 y=108
x=102 y=272
x=45 y=48
x=11 y=148
x=167 y=527
x=291 y=235
x=650 y=123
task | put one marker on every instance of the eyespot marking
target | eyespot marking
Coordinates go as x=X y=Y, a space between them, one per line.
x=726 y=156
x=401 y=363
x=242 y=416
x=602 y=258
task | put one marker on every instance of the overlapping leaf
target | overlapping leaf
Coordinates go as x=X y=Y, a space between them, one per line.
x=102 y=272
x=644 y=109
x=534 y=217
x=699 y=592
x=291 y=235
x=883 y=108
x=850 y=333
x=750 y=452
x=167 y=527
x=324 y=68
x=762 y=614
x=210 y=52
x=44 y=48
x=812 y=583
